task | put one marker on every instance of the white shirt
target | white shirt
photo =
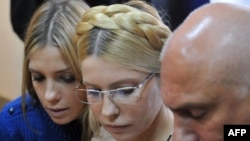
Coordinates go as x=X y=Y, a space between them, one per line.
x=245 y=2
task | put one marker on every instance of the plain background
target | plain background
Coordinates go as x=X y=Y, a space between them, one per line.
x=11 y=55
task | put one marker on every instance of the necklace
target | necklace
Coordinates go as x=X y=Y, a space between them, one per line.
x=170 y=136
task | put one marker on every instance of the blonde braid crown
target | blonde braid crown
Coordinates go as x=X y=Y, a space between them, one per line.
x=127 y=18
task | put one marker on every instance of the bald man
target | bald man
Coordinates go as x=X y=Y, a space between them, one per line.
x=205 y=77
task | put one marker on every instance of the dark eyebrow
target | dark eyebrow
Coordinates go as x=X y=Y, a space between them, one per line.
x=60 y=71
x=189 y=106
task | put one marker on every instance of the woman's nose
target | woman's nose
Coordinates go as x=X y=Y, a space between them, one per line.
x=51 y=92
x=109 y=108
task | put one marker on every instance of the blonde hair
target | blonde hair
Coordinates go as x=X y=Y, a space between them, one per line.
x=130 y=34
x=54 y=24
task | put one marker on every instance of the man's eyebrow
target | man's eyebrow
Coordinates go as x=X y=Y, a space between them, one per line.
x=190 y=106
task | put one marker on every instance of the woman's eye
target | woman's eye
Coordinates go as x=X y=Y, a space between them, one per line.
x=38 y=78
x=125 y=91
x=68 y=78
x=93 y=93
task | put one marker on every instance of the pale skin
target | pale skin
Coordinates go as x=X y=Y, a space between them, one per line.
x=147 y=119
x=205 y=72
x=54 y=83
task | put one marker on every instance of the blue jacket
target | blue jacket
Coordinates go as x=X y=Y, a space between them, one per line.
x=36 y=126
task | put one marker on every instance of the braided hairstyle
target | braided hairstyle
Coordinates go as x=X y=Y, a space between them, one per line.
x=130 y=34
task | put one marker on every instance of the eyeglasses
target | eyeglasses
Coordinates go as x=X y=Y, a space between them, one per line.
x=120 y=95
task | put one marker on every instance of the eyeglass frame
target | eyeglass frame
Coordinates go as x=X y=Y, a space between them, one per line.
x=139 y=86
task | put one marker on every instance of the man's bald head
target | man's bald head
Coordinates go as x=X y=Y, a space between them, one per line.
x=205 y=73
x=217 y=36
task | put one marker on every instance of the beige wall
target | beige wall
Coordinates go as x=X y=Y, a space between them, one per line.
x=11 y=54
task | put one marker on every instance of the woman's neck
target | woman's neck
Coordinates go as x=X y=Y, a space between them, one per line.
x=161 y=128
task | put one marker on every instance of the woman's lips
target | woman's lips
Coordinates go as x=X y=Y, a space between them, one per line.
x=116 y=128
x=57 y=112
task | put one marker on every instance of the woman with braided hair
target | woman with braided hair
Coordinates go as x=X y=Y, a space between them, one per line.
x=118 y=52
